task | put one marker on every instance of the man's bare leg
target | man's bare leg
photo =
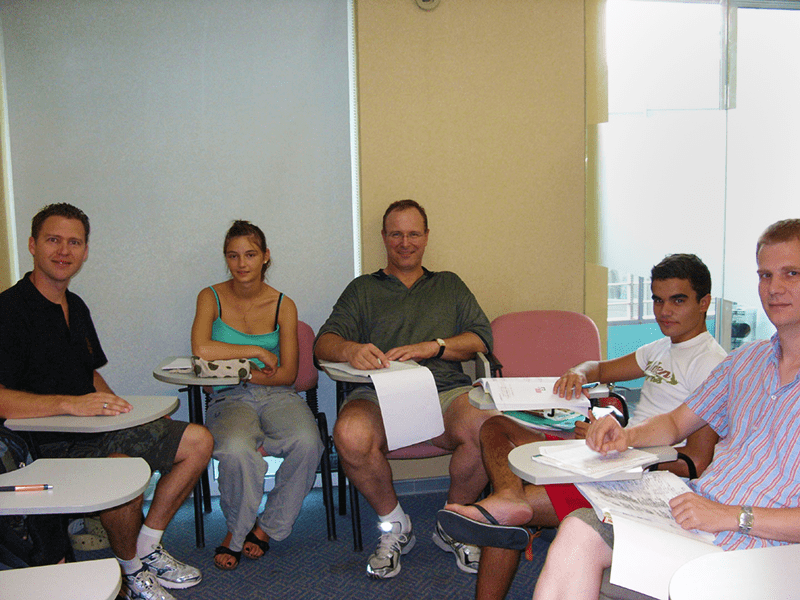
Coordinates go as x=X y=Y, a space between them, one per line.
x=499 y=565
x=122 y=524
x=496 y=572
x=361 y=444
x=509 y=502
x=576 y=544
x=462 y=425
x=191 y=459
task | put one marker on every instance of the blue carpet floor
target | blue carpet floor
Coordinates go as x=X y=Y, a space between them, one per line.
x=306 y=566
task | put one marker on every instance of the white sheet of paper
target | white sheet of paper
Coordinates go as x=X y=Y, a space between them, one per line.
x=409 y=405
x=646 y=557
x=179 y=364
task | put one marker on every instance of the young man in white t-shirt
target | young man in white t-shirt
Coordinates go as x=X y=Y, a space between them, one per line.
x=672 y=367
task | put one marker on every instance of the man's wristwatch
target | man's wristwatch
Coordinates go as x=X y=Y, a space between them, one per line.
x=441 y=343
x=745 y=519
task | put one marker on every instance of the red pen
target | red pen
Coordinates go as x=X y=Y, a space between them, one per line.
x=37 y=487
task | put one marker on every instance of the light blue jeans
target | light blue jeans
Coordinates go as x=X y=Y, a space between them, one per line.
x=242 y=419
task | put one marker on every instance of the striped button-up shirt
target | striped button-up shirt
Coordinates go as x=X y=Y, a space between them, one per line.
x=757 y=461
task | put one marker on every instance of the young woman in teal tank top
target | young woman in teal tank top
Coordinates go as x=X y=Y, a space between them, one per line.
x=244 y=317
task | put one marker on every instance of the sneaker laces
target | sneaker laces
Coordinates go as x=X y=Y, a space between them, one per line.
x=164 y=557
x=146 y=583
x=390 y=541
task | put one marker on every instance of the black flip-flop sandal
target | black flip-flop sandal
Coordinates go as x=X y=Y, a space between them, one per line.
x=491 y=534
x=220 y=550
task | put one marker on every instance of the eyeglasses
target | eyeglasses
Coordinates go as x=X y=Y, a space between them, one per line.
x=397 y=236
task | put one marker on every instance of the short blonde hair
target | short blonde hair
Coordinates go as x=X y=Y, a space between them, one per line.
x=782 y=231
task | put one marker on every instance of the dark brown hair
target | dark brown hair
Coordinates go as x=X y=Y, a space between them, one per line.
x=404 y=205
x=61 y=209
x=247 y=229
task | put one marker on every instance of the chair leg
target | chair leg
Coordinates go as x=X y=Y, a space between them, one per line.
x=199 y=528
x=327 y=479
x=342 y=489
x=206 y=484
x=355 y=518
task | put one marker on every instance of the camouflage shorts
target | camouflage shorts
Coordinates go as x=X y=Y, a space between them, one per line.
x=157 y=442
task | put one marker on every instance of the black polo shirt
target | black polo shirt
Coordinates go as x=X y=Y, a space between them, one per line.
x=39 y=353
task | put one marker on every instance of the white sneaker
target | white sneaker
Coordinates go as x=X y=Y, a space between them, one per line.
x=467 y=555
x=142 y=585
x=385 y=561
x=171 y=573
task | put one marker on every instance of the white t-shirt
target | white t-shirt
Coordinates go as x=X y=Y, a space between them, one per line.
x=673 y=371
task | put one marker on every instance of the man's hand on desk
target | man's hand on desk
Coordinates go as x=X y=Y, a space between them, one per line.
x=606 y=435
x=96 y=403
x=365 y=356
x=419 y=351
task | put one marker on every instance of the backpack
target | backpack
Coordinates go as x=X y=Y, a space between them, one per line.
x=32 y=540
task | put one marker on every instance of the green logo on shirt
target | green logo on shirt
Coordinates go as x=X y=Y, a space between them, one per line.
x=657 y=374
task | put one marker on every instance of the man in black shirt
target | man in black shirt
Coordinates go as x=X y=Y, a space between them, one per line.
x=49 y=360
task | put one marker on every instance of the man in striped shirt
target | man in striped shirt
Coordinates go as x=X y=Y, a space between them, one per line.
x=750 y=494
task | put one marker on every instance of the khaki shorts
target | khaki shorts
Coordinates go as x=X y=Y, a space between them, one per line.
x=445 y=398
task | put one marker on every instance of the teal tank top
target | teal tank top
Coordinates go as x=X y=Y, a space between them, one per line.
x=222 y=332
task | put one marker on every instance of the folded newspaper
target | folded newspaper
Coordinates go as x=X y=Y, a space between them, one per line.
x=649 y=546
x=580 y=459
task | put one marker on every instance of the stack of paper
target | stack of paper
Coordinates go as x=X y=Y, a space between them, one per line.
x=581 y=459
x=529 y=393
x=182 y=364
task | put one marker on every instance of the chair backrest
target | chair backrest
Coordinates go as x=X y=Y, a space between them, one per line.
x=544 y=343
x=307 y=374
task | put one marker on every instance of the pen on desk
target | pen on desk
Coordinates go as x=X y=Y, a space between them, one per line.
x=588 y=386
x=38 y=487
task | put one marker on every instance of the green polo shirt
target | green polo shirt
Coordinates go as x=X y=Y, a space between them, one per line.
x=379 y=309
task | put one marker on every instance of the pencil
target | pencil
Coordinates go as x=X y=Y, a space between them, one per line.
x=31 y=487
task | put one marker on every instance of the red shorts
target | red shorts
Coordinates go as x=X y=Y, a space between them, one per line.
x=564 y=497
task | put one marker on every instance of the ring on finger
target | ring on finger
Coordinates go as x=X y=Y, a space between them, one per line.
x=105 y=404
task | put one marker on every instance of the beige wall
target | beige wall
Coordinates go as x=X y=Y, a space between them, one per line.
x=476 y=110
x=8 y=275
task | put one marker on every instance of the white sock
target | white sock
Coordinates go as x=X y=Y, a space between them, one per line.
x=129 y=566
x=397 y=515
x=148 y=540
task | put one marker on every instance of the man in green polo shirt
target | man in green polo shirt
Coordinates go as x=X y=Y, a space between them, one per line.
x=406 y=312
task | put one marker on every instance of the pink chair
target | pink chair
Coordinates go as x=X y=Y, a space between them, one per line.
x=544 y=343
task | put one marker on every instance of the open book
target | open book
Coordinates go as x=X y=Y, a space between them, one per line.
x=649 y=546
x=529 y=393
